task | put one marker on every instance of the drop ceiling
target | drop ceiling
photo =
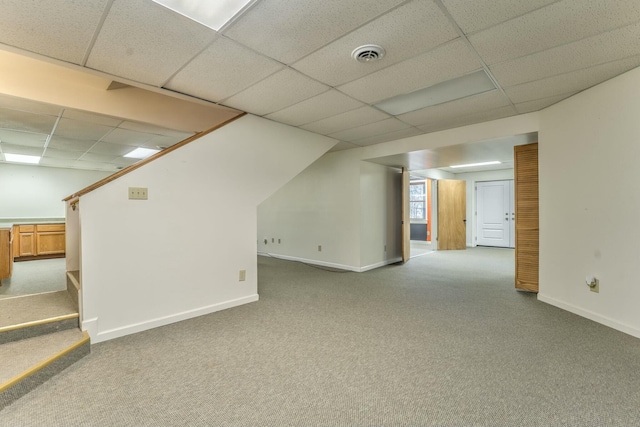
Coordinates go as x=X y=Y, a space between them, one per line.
x=290 y=61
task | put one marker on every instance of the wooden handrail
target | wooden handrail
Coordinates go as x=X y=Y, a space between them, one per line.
x=149 y=159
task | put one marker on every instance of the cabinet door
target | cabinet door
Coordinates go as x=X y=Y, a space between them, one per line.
x=50 y=239
x=27 y=245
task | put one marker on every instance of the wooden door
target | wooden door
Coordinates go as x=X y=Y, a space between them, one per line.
x=494 y=213
x=406 y=221
x=452 y=214
x=527 y=226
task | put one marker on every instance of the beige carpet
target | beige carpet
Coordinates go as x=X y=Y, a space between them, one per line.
x=444 y=340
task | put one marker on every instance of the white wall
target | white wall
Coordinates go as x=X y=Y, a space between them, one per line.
x=324 y=204
x=472 y=178
x=590 y=204
x=178 y=254
x=37 y=191
x=321 y=206
x=380 y=215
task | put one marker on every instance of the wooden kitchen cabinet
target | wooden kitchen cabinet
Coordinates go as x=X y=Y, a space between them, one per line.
x=6 y=253
x=39 y=240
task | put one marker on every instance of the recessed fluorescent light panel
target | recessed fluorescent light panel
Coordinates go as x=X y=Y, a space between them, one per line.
x=470 y=165
x=141 y=153
x=210 y=13
x=461 y=87
x=21 y=158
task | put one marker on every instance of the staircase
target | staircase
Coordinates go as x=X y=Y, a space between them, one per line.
x=39 y=337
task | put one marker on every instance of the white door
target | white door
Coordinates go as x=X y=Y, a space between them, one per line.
x=495 y=214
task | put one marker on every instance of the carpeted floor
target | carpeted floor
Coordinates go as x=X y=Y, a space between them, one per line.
x=444 y=340
x=34 y=277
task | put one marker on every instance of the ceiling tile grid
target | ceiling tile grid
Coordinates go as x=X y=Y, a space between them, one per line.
x=385 y=137
x=287 y=31
x=291 y=62
x=481 y=116
x=325 y=105
x=452 y=109
x=472 y=16
x=30 y=25
x=223 y=69
x=584 y=53
x=551 y=26
x=348 y=120
x=411 y=29
x=384 y=126
x=443 y=63
x=570 y=82
x=145 y=42
x=278 y=91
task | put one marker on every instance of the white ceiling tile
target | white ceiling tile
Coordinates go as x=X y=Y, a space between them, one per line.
x=472 y=16
x=391 y=136
x=20 y=149
x=350 y=119
x=585 y=53
x=444 y=63
x=87 y=116
x=76 y=129
x=156 y=130
x=459 y=107
x=98 y=166
x=539 y=104
x=482 y=116
x=570 y=82
x=161 y=141
x=222 y=70
x=23 y=138
x=127 y=137
x=28 y=122
x=21 y=104
x=63 y=154
x=113 y=149
x=268 y=95
x=69 y=144
x=551 y=26
x=288 y=30
x=143 y=41
x=341 y=146
x=58 y=163
x=414 y=28
x=105 y=158
x=384 y=126
x=325 y=105
x=58 y=29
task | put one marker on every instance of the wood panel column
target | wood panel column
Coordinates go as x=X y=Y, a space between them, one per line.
x=527 y=221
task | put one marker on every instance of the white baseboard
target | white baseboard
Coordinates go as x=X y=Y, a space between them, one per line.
x=591 y=315
x=91 y=325
x=380 y=264
x=332 y=264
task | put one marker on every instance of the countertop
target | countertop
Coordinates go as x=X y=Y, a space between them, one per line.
x=10 y=222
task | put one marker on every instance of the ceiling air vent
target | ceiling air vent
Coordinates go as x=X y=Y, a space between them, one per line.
x=368 y=53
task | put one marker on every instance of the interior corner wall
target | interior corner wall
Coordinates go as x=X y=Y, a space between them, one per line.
x=318 y=209
x=589 y=204
x=381 y=215
x=37 y=191
x=472 y=178
x=177 y=255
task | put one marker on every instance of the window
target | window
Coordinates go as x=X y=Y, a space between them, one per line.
x=417 y=200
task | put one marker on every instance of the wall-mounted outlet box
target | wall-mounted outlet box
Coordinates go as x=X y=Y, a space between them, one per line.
x=242 y=276
x=138 y=193
x=319 y=248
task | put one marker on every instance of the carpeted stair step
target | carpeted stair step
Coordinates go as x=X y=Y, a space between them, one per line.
x=30 y=362
x=33 y=315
